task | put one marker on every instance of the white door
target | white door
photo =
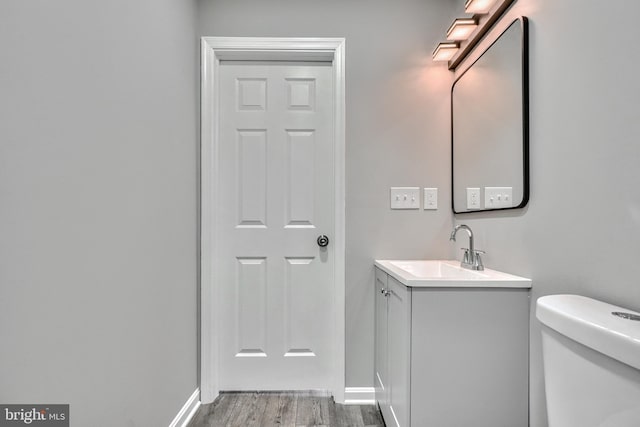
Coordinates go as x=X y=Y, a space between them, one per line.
x=276 y=197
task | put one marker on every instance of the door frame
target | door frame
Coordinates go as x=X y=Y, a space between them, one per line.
x=213 y=50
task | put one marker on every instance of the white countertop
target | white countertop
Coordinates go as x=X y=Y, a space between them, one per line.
x=447 y=273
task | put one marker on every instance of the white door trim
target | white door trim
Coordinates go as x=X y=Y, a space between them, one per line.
x=214 y=49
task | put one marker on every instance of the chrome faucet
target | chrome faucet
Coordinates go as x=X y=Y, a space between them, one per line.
x=471 y=258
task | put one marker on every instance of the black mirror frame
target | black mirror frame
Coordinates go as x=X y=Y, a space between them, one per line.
x=524 y=21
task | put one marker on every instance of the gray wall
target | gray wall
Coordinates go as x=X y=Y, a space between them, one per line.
x=580 y=231
x=98 y=207
x=397 y=129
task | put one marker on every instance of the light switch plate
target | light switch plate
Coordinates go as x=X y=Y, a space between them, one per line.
x=473 y=198
x=498 y=197
x=405 y=197
x=430 y=198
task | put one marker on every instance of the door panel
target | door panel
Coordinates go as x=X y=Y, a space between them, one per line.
x=252 y=178
x=300 y=175
x=276 y=186
x=250 y=305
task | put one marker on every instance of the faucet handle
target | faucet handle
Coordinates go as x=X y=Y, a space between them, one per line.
x=478 y=265
x=466 y=257
x=475 y=251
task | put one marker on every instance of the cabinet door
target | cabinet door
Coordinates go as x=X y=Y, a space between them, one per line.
x=399 y=335
x=381 y=347
x=471 y=348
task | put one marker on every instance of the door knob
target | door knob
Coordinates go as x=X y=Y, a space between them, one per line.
x=323 y=241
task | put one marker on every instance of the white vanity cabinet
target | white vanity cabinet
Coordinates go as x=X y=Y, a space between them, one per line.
x=451 y=355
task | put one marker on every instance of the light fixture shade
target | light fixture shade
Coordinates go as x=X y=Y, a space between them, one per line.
x=478 y=6
x=461 y=29
x=445 y=51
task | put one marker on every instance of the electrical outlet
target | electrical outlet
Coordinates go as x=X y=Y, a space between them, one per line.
x=430 y=198
x=405 y=197
x=473 y=198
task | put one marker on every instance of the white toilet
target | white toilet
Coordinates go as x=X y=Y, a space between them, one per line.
x=591 y=362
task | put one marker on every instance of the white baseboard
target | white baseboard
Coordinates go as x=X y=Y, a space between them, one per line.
x=359 y=396
x=188 y=411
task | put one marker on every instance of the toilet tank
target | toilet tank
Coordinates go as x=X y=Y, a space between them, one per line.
x=591 y=362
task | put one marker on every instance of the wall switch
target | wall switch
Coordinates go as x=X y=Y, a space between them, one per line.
x=405 y=197
x=473 y=198
x=430 y=198
x=498 y=197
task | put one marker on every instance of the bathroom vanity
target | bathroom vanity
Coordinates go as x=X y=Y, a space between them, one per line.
x=451 y=345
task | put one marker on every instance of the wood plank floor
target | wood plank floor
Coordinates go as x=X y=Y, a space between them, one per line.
x=283 y=409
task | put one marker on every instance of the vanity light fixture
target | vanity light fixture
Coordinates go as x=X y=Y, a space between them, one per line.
x=445 y=51
x=461 y=29
x=465 y=33
x=478 y=6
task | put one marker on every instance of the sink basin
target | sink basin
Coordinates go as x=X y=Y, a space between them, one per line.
x=445 y=273
x=437 y=269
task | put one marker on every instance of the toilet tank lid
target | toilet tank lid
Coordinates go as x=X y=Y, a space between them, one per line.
x=591 y=323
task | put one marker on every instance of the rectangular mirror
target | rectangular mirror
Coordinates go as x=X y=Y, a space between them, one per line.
x=490 y=127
